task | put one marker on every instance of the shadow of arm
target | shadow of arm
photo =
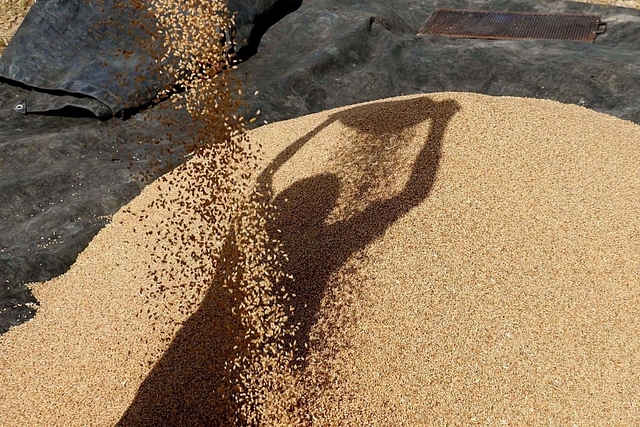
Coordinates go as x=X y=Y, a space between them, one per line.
x=371 y=223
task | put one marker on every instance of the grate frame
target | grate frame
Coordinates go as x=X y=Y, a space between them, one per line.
x=465 y=23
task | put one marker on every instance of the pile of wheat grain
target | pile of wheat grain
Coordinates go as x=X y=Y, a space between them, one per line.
x=445 y=259
x=457 y=259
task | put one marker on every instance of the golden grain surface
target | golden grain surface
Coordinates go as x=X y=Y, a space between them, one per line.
x=443 y=259
x=495 y=280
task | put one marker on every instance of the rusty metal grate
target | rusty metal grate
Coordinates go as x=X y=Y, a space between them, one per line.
x=512 y=25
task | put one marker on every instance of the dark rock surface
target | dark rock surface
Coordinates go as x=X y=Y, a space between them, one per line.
x=62 y=173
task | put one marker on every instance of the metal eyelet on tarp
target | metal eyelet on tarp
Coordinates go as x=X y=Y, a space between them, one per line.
x=21 y=107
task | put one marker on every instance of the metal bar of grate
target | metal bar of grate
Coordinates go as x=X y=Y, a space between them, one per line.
x=512 y=25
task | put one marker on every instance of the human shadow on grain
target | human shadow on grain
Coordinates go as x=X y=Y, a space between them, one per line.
x=317 y=249
x=187 y=386
x=183 y=388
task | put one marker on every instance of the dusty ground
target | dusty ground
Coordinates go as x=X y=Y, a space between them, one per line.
x=635 y=4
x=12 y=13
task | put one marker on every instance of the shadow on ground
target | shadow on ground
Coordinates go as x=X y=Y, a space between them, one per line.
x=184 y=387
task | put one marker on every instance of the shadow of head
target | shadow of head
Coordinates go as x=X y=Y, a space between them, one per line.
x=307 y=203
x=317 y=249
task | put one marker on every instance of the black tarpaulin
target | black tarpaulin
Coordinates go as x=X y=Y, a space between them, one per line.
x=333 y=53
x=90 y=51
x=100 y=55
